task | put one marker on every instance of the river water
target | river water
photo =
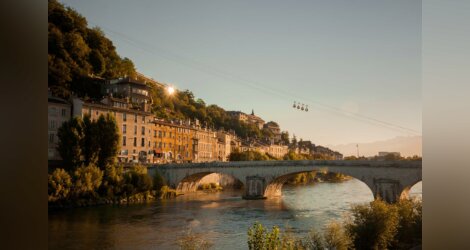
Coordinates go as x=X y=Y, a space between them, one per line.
x=221 y=218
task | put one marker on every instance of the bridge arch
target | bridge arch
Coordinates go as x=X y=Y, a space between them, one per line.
x=274 y=187
x=405 y=194
x=190 y=183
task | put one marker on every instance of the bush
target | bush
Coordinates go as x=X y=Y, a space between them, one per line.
x=59 y=185
x=113 y=183
x=87 y=180
x=373 y=226
x=409 y=231
x=158 y=182
x=336 y=237
x=137 y=181
x=314 y=241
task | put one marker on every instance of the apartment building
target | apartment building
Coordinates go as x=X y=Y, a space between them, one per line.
x=135 y=127
x=207 y=144
x=58 y=112
x=175 y=141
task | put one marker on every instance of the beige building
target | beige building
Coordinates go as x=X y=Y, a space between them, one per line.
x=250 y=119
x=277 y=150
x=207 y=145
x=137 y=143
x=228 y=142
x=58 y=112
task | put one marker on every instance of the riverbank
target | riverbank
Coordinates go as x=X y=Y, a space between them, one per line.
x=92 y=186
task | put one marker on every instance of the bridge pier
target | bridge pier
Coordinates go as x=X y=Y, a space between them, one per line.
x=388 y=190
x=254 y=189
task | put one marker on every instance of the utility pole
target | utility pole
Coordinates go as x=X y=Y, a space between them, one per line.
x=357 y=147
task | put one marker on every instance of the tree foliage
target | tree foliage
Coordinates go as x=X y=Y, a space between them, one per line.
x=377 y=225
x=87 y=180
x=374 y=225
x=250 y=156
x=70 y=136
x=77 y=53
x=86 y=141
x=59 y=185
x=107 y=140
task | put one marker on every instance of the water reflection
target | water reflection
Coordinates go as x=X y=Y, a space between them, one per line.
x=222 y=218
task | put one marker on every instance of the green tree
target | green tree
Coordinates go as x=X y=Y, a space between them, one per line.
x=158 y=182
x=90 y=146
x=374 y=225
x=113 y=183
x=69 y=146
x=108 y=140
x=78 y=53
x=59 y=185
x=137 y=181
x=409 y=232
x=256 y=236
x=87 y=180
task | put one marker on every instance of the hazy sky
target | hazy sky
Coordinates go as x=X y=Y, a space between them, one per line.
x=362 y=57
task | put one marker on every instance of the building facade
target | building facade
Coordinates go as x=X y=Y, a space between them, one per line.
x=135 y=127
x=58 y=112
x=207 y=145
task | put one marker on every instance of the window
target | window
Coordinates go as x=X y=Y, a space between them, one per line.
x=52 y=124
x=160 y=134
x=143 y=119
x=164 y=144
x=135 y=118
x=124 y=117
x=124 y=128
x=135 y=129
x=143 y=142
x=154 y=133
x=53 y=111
x=143 y=130
x=149 y=144
x=64 y=112
x=124 y=140
x=51 y=138
x=135 y=142
x=155 y=144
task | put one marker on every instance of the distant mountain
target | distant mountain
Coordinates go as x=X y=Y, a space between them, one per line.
x=406 y=145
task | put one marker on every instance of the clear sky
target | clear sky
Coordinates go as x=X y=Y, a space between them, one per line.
x=346 y=59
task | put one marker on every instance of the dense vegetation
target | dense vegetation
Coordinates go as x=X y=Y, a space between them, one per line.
x=88 y=142
x=377 y=225
x=250 y=156
x=89 y=185
x=78 y=56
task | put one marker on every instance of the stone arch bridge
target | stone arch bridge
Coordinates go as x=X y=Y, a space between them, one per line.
x=389 y=180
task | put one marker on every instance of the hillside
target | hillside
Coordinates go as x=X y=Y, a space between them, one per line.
x=79 y=56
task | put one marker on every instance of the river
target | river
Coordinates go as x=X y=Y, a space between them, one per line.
x=221 y=218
